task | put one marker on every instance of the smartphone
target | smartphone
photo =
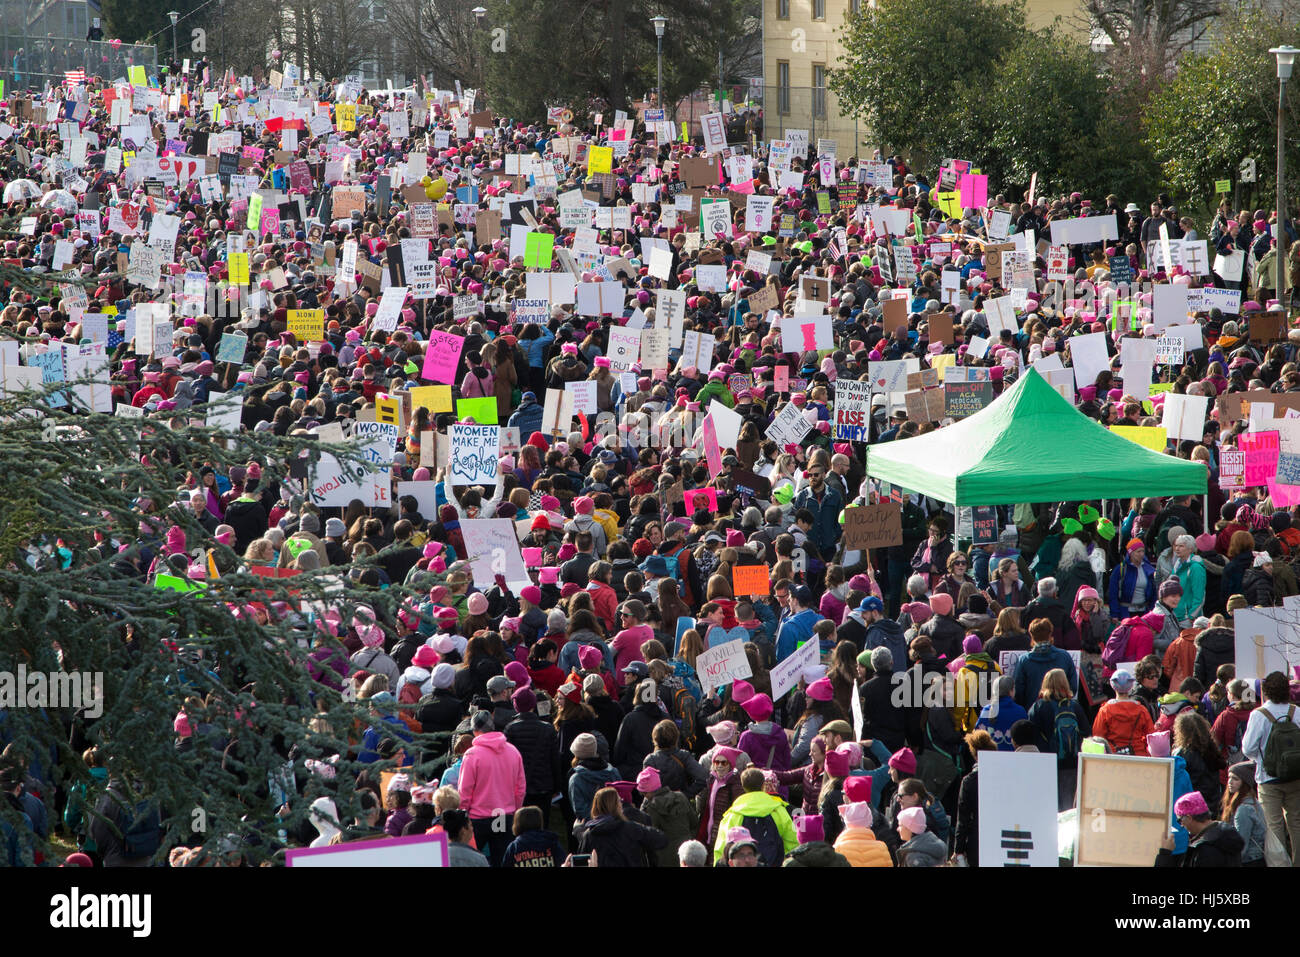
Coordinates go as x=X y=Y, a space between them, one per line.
x=581 y=860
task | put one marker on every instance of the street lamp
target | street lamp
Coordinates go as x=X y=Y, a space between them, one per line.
x=660 y=22
x=1285 y=60
x=480 y=13
x=173 y=16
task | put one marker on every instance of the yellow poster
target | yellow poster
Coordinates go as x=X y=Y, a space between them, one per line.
x=346 y=116
x=388 y=410
x=950 y=205
x=137 y=76
x=238 y=267
x=600 y=159
x=1151 y=437
x=307 y=325
x=435 y=398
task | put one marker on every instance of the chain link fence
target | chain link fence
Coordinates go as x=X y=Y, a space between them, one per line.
x=33 y=62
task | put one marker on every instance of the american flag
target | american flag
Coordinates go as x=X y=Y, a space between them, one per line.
x=74 y=77
x=836 y=251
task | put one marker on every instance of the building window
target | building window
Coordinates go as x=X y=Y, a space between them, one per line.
x=783 y=9
x=379 y=13
x=819 y=9
x=855 y=7
x=783 y=86
x=819 y=90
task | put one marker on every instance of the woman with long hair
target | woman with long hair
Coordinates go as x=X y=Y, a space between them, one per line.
x=1193 y=741
x=612 y=838
x=1051 y=717
x=671 y=607
x=1241 y=809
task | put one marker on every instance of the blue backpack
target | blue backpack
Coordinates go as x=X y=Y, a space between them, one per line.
x=1067 y=732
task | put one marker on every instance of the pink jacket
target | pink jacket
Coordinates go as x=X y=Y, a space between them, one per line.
x=627 y=648
x=491 y=777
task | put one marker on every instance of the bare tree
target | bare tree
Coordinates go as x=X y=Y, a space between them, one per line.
x=1163 y=28
x=437 y=38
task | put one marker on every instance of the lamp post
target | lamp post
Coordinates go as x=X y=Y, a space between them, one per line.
x=480 y=15
x=173 y=16
x=660 y=22
x=1285 y=60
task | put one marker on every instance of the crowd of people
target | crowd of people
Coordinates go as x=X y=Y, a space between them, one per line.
x=575 y=728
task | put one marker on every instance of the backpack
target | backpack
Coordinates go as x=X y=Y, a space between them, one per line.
x=771 y=848
x=1066 y=728
x=1234 y=750
x=1282 y=752
x=141 y=838
x=682 y=707
x=1117 y=644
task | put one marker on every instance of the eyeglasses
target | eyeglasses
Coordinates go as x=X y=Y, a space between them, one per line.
x=958 y=564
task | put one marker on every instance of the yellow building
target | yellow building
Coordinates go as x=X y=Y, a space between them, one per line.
x=801 y=43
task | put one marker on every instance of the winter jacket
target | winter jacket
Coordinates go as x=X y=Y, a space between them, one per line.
x=1123 y=580
x=1191 y=575
x=712 y=803
x=1214 y=647
x=671 y=813
x=248 y=518
x=767 y=746
x=527 y=419
x=491 y=777
x=537 y=742
x=634 y=743
x=756 y=804
x=1205 y=776
x=619 y=843
x=816 y=854
x=539 y=848
x=1031 y=668
x=440 y=711
x=860 y=847
x=998 y=724
x=1217 y=846
x=1248 y=821
x=1064 y=631
x=1224 y=731
x=880 y=718
x=966 y=837
x=794 y=631
x=1180 y=657
x=1257 y=586
x=887 y=633
x=678 y=771
x=826 y=530
x=923 y=850
x=977 y=669
x=588 y=777
x=1125 y=724
x=1043 y=716
x=376 y=662
x=945 y=634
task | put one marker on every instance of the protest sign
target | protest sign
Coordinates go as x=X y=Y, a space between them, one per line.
x=852 y=410
x=962 y=399
x=442 y=357
x=307 y=325
x=492 y=548
x=787 y=672
x=1134 y=796
x=474 y=454
x=1017 y=823
x=232 y=347
x=750 y=580
x=1151 y=437
x=789 y=427
x=723 y=664
x=873 y=526
x=416 y=850
x=1265 y=640
x=483 y=411
x=700 y=498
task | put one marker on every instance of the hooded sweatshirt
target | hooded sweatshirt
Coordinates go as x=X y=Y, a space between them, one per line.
x=491 y=778
x=923 y=850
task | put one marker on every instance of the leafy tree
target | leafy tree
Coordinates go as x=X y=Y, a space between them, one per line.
x=1220 y=108
x=907 y=62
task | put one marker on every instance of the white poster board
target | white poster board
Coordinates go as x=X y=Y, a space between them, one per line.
x=1017 y=820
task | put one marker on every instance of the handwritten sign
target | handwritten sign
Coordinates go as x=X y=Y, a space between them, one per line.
x=474 y=454
x=750 y=580
x=307 y=325
x=493 y=548
x=962 y=399
x=787 y=672
x=873 y=526
x=852 y=410
x=723 y=664
x=442 y=357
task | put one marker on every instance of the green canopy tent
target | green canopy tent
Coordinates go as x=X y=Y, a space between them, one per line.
x=1030 y=445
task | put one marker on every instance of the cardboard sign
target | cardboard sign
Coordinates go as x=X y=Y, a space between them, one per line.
x=873 y=526
x=1135 y=797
